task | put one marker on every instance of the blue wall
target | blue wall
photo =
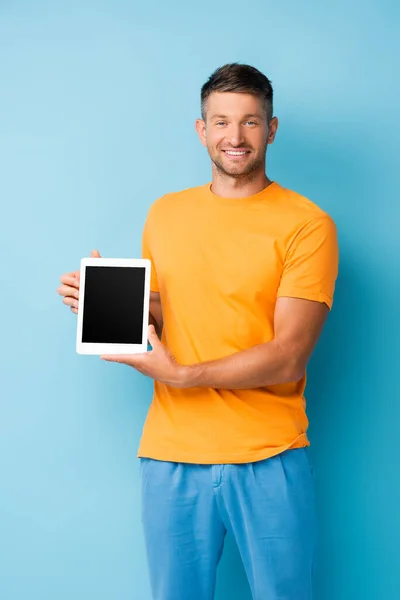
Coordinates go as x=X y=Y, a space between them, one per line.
x=97 y=109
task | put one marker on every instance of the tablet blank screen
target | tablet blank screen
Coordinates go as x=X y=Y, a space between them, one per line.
x=113 y=305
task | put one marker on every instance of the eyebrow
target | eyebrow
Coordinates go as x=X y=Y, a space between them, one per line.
x=253 y=116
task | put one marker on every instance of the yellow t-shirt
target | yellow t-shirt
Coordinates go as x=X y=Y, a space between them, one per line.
x=219 y=265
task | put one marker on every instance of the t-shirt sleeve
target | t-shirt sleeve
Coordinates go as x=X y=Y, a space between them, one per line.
x=311 y=263
x=146 y=253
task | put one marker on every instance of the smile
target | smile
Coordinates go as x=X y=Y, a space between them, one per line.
x=236 y=152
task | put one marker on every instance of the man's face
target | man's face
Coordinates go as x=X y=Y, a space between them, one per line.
x=236 y=133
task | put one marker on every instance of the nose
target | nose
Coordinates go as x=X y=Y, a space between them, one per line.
x=235 y=135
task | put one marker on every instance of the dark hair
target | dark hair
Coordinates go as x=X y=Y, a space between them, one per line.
x=235 y=77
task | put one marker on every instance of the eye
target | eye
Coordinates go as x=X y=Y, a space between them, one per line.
x=251 y=123
x=220 y=123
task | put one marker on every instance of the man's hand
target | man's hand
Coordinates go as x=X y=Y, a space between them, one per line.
x=159 y=364
x=70 y=286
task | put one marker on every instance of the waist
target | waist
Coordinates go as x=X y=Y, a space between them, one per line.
x=207 y=425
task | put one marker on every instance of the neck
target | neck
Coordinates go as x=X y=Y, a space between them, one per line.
x=238 y=187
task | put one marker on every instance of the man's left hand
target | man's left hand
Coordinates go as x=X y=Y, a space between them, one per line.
x=158 y=363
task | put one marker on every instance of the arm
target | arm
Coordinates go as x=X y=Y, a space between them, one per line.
x=298 y=324
x=155 y=316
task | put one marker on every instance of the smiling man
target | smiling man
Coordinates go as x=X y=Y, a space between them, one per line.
x=243 y=275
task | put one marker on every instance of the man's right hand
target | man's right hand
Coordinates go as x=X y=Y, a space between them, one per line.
x=70 y=286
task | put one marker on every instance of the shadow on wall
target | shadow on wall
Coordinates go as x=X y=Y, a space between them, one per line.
x=345 y=396
x=345 y=373
x=352 y=375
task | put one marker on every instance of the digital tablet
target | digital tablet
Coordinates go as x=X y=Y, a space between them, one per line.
x=113 y=310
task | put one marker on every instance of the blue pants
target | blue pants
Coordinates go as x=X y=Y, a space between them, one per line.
x=267 y=506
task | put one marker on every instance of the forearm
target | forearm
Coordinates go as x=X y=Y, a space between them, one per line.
x=261 y=365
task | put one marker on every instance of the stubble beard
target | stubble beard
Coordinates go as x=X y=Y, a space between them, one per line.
x=236 y=171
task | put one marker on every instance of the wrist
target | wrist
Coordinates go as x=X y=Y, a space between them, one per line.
x=185 y=377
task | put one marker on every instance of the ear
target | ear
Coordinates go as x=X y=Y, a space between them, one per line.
x=273 y=126
x=202 y=131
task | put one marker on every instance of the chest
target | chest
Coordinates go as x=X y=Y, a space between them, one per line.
x=216 y=257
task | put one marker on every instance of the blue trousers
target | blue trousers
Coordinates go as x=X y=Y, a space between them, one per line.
x=268 y=507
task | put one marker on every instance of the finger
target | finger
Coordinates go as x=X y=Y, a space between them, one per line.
x=70 y=279
x=95 y=254
x=74 y=310
x=124 y=360
x=68 y=291
x=128 y=359
x=118 y=357
x=152 y=335
x=71 y=302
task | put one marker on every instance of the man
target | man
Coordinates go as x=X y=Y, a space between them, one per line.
x=243 y=274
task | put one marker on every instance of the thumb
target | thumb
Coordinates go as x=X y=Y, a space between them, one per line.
x=152 y=335
x=95 y=254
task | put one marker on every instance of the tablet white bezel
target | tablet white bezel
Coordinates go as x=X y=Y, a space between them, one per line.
x=95 y=348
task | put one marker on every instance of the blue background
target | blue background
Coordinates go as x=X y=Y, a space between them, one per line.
x=97 y=108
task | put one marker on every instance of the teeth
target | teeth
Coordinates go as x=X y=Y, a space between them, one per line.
x=235 y=153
